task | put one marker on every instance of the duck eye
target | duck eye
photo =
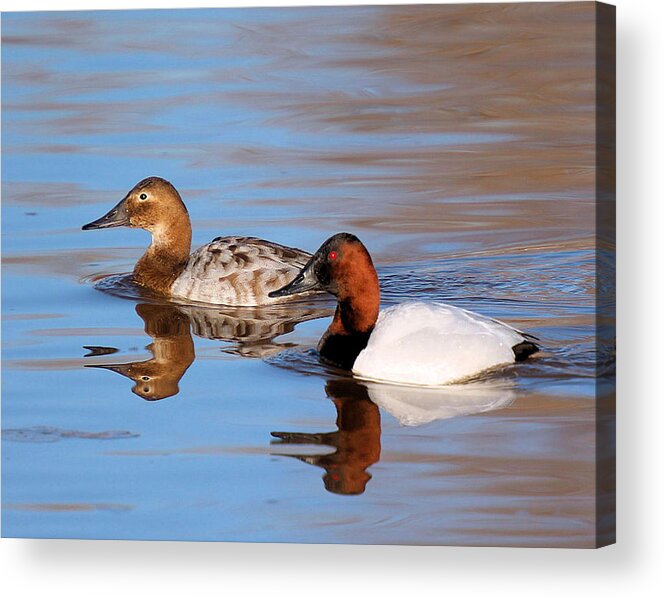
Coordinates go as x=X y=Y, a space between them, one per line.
x=145 y=377
x=143 y=196
x=332 y=255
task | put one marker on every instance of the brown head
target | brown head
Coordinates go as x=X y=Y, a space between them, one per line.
x=343 y=267
x=153 y=204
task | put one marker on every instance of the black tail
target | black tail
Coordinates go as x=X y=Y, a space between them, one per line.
x=524 y=349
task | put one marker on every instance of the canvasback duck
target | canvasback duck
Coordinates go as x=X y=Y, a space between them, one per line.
x=230 y=270
x=419 y=343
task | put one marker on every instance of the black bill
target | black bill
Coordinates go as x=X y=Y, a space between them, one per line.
x=306 y=280
x=117 y=216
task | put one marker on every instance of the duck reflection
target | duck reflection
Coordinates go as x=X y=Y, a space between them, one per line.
x=172 y=349
x=357 y=440
x=250 y=330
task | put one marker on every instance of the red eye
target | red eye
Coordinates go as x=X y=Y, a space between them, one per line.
x=332 y=255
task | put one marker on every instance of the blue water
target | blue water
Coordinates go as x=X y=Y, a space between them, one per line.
x=464 y=182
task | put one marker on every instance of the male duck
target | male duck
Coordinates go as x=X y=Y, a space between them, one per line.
x=229 y=270
x=412 y=343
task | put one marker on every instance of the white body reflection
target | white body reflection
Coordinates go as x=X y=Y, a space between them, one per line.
x=414 y=406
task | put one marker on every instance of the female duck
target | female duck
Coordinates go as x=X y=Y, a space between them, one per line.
x=412 y=343
x=229 y=270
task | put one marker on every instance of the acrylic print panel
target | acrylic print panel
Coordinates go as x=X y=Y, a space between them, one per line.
x=468 y=147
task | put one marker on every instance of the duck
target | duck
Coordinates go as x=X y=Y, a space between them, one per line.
x=413 y=343
x=233 y=270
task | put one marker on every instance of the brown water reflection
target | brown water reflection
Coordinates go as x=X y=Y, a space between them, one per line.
x=521 y=72
x=357 y=441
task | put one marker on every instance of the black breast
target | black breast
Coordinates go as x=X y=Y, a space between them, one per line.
x=342 y=349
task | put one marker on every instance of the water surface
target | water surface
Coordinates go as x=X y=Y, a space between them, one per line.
x=456 y=141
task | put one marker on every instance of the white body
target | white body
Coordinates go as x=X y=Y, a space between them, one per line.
x=434 y=344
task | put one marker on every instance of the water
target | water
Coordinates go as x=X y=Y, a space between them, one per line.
x=457 y=142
